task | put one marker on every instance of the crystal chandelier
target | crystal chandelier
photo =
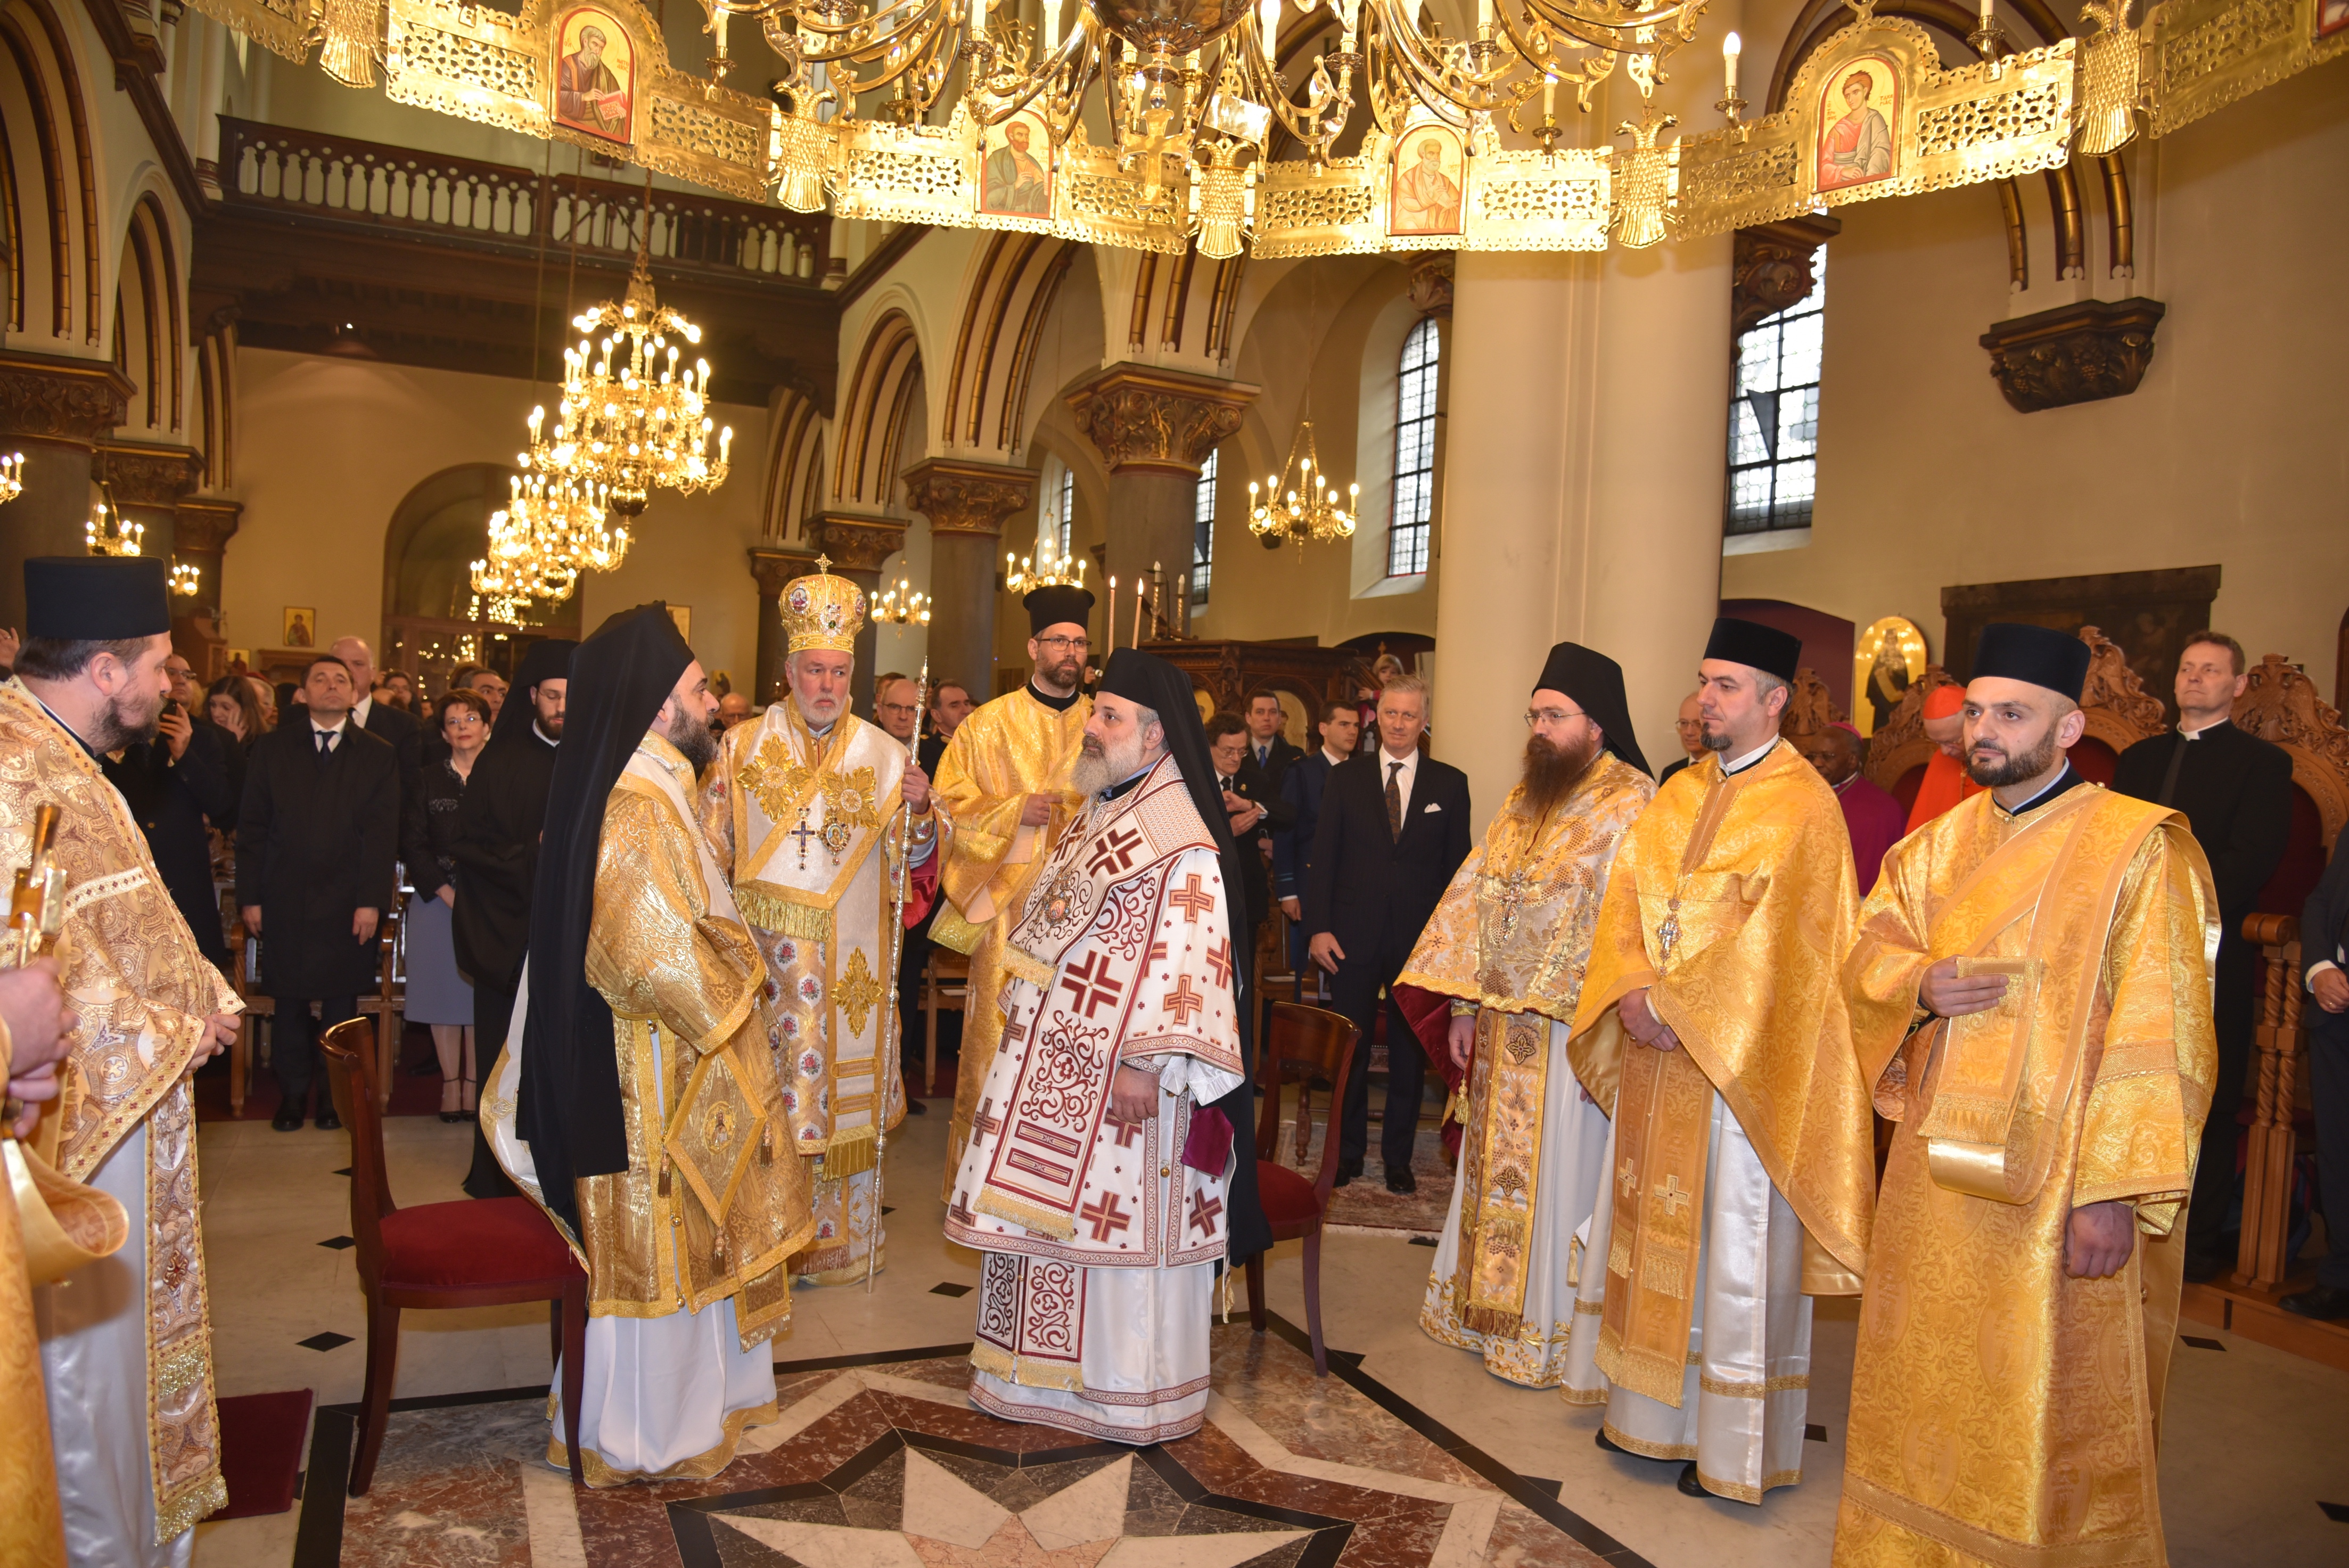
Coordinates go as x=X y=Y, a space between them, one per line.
x=901 y=606
x=1021 y=573
x=108 y=532
x=631 y=419
x=12 y=477
x=185 y=578
x=1300 y=502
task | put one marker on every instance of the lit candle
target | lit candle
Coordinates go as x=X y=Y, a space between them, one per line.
x=1549 y=97
x=1137 y=612
x=1051 y=28
x=1267 y=26
x=1110 y=637
x=717 y=29
x=978 y=17
x=1729 y=49
x=1484 y=18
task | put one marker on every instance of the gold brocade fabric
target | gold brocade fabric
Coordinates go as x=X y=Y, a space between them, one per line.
x=143 y=992
x=1731 y=900
x=1003 y=753
x=2003 y=1412
x=1512 y=933
x=713 y=1201
x=32 y=1529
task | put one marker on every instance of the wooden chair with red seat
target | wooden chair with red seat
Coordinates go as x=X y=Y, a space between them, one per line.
x=1306 y=1043
x=473 y=1253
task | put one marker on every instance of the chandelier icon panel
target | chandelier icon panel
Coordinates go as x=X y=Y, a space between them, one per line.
x=1191 y=98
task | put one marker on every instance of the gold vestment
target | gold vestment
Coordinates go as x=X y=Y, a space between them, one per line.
x=1001 y=754
x=713 y=1201
x=32 y=1532
x=2003 y=1412
x=144 y=994
x=1731 y=900
x=1512 y=936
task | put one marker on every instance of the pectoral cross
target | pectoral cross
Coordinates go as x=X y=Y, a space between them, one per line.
x=1512 y=899
x=1673 y=1196
x=1670 y=931
x=802 y=833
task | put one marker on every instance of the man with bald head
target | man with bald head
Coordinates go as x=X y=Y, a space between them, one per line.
x=402 y=730
x=2030 y=1003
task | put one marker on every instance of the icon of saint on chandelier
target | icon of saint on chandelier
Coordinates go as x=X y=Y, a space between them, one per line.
x=594 y=74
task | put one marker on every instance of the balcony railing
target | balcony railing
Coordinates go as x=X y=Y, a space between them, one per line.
x=274 y=168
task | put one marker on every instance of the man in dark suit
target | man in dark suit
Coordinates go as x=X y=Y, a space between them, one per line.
x=318 y=845
x=1256 y=813
x=1690 y=726
x=171 y=784
x=1273 y=753
x=2236 y=792
x=950 y=704
x=1393 y=829
x=405 y=731
x=2324 y=948
x=1301 y=787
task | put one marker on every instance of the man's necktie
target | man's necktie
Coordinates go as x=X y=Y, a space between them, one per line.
x=2168 y=795
x=326 y=743
x=1394 y=799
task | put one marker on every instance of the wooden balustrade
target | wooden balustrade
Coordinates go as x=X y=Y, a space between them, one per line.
x=343 y=179
x=2281 y=1041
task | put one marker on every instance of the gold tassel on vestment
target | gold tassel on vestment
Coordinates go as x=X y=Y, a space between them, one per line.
x=770 y=912
x=850 y=1158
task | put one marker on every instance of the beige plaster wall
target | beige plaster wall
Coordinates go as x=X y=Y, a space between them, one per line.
x=2230 y=450
x=329 y=447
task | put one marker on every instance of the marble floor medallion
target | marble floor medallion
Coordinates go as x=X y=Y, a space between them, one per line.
x=879 y=1461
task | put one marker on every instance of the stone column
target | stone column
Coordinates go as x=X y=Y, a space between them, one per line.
x=772 y=567
x=967 y=503
x=1586 y=469
x=200 y=536
x=55 y=411
x=857 y=548
x=1155 y=427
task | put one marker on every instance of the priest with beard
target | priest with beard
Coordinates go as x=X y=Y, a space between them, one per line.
x=1507 y=945
x=1103 y=1180
x=635 y=1102
x=498 y=826
x=1741 y=1170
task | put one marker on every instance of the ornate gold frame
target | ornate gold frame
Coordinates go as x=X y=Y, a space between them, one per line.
x=2207 y=54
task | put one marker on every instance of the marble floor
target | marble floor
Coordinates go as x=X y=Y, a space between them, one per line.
x=873 y=1433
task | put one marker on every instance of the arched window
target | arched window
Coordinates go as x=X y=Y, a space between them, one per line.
x=1203 y=532
x=1774 y=416
x=1415 y=453
x=1065 y=516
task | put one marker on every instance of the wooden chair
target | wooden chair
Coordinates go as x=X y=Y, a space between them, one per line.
x=946 y=987
x=472 y=1253
x=1309 y=1043
x=388 y=1005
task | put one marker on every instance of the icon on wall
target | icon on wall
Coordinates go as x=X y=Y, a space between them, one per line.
x=1889 y=658
x=301 y=626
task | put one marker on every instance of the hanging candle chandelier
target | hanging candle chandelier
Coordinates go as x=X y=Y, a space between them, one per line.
x=186 y=577
x=902 y=605
x=1299 y=503
x=12 y=477
x=632 y=418
x=108 y=532
x=1024 y=574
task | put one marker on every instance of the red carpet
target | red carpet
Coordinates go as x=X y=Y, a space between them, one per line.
x=260 y=1451
x=412 y=1093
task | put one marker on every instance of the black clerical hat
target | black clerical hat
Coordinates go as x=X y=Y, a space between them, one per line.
x=2037 y=654
x=1749 y=642
x=96 y=598
x=1055 y=603
x=1595 y=683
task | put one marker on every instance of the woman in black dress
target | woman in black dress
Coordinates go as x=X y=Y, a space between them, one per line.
x=437 y=994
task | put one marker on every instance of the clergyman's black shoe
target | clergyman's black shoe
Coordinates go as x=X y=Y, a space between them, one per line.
x=1346 y=1173
x=2323 y=1302
x=1400 y=1179
x=1610 y=1444
x=287 y=1120
x=328 y=1121
x=1690 y=1485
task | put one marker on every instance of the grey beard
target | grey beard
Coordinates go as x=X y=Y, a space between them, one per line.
x=1094 y=771
x=694 y=741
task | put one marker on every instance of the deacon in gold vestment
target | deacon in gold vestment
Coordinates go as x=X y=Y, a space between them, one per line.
x=803 y=810
x=1508 y=943
x=2031 y=996
x=634 y=1099
x=126 y=1341
x=1740 y=1175
x=1003 y=788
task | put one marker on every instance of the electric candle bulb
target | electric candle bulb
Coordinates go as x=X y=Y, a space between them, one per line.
x=1730 y=47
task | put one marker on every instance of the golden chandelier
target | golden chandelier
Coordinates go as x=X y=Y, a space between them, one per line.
x=1022 y=574
x=631 y=419
x=1300 y=502
x=12 y=477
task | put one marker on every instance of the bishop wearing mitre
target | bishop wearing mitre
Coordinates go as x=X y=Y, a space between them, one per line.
x=126 y=1339
x=1003 y=784
x=2030 y=997
x=1509 y=944
x=634 y=1099
x=1101 y=1180
x=1740 y=1174
x=804 y=806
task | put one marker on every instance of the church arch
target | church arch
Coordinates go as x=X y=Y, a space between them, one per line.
x=44 y=57
x=794 y=465
x=435 y=533
x=872 y=417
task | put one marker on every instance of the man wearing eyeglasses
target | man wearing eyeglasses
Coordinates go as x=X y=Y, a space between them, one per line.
x=1003 y=788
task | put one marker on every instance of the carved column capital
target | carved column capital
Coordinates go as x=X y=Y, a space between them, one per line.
x=968 y=497
x=854 y=543
x=205 y=523
x=76 y=401
x=1431 y=283
x=1145 y=420
x=142 y=475
x=770 y=568
x=2074 y=354
x=1770 y=266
